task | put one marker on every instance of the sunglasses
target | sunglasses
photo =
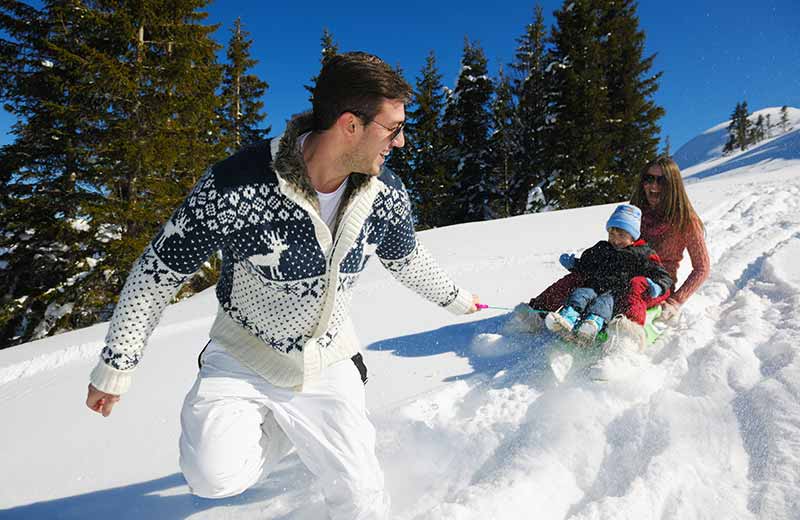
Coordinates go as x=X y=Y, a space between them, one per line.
x=652 y=179
x=394 y=132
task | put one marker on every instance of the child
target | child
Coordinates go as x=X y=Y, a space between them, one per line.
x=608 y=268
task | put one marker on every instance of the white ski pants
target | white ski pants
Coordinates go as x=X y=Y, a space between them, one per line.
x=236 y=427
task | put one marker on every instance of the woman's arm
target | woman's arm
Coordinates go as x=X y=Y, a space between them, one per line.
x=701 y=265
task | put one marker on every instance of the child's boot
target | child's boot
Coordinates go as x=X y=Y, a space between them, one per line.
x=588 y=329
x=563 y=321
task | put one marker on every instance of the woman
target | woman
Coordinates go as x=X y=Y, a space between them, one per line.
x=670 y=225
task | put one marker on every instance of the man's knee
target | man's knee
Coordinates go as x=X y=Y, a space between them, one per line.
x=213 y=474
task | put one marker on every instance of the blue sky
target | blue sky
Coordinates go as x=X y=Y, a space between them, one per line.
x=713 y=53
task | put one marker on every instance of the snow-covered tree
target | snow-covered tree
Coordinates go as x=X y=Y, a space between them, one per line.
x=504 y=144
x=115 y=107
x=740 y=131
x=784 y=122
x=530 y=91
x=633 y=115
x=466 y=128
x=578 y=147
x=430 y=182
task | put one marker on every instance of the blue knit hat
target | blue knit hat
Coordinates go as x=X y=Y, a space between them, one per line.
x=628 y=218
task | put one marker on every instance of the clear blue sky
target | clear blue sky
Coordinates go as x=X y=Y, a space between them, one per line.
x=713 y=53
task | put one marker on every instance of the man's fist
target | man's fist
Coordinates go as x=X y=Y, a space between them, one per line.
x=100 y=402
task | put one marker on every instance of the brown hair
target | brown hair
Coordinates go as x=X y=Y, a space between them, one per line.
x=355 y=82
x=678 y=210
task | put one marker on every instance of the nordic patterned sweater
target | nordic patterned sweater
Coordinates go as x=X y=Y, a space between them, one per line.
x=286 y=281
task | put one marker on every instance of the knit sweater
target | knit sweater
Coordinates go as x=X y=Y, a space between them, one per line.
x=670 y=243
x=286 y=281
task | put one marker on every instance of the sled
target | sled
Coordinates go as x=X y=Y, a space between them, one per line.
x=566 y=352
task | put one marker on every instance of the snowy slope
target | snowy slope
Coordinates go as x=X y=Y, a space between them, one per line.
x=702 y=156
x=709 y=428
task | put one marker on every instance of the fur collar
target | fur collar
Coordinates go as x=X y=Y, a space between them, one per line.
x=289 y=162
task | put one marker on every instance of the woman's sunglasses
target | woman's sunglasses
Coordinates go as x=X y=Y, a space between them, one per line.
x=652 y=179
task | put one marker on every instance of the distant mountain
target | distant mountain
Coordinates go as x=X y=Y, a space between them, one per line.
x=702 y=156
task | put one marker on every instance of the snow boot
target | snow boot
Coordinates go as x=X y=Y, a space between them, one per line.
x=622 y=352
x=588 y=329
x=523 y=320
x=563 y=321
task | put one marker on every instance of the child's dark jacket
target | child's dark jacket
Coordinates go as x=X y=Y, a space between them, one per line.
x=606 y=268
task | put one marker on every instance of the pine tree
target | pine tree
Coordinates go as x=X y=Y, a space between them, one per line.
x=45 y=171
x=116 y=108
x=241 y=110
x=399 y=160
x=743 y=128
x=740 y=129
x=784 y=122
x=530 y=89
x=769 y=126
x=632 y=129
x=580 y=154
x=329 y=49
x=759 y=131
x=162 y=72
x=731 y=143
x=503 y=145
x=432 y=186
x=466 y=129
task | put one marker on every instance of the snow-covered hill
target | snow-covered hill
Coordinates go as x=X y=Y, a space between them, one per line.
x=709 y=428
x=702 y=156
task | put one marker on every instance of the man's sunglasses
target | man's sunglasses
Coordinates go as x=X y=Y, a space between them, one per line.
x=652 y=179
x=394 y=132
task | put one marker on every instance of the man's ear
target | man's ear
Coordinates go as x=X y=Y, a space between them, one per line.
x=348 y=124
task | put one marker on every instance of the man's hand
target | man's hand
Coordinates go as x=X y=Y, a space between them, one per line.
x=475 y=301
x=101 y=402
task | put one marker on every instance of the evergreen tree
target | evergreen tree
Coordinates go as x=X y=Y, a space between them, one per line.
x=530 y=90
x=329 y=49
x=162 y=73
x=432 y=186
x=116 y=121
x=784 y=122
x=730 y=144
x=769 y=125
x=241 y=110
x=580 y=154
x=503 y=145
x=399 y=160
x=632 y=124
x=466 y=128
x=45 y=171
x=759 y=130
x=740 y=133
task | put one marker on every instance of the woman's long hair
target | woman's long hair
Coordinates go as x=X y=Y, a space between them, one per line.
x=675 y=205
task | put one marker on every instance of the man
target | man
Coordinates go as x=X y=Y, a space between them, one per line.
x=295 y=226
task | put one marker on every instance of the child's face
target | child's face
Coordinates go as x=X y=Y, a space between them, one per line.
x=619 y=238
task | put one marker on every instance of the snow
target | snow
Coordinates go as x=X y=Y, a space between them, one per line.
x=467 y=429
x=709 y=144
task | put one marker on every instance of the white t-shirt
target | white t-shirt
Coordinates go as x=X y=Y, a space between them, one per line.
x=328 y=202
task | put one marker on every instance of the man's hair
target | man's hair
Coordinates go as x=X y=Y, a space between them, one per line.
x=675 y=204
x=355 y=82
